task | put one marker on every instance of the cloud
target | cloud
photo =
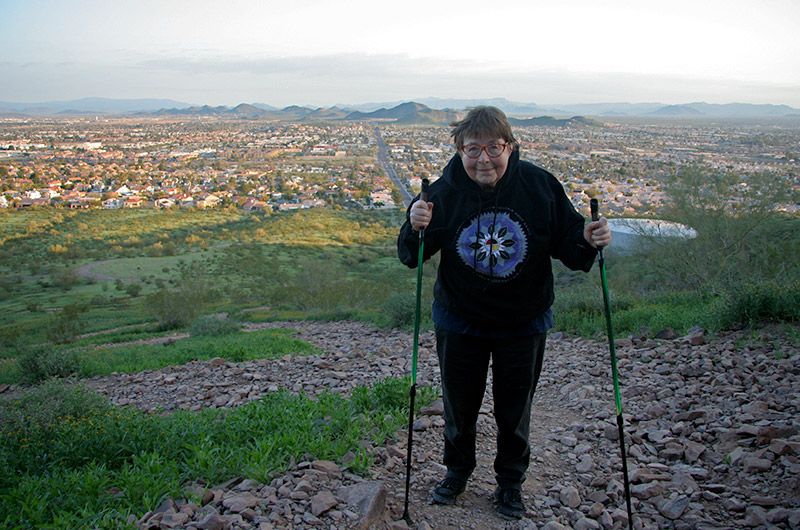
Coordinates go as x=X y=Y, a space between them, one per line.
x=338 y=65
x=203 y=76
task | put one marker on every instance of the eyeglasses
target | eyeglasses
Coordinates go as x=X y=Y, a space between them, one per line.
x=493 y=150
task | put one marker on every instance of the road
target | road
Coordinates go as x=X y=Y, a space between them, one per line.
x=383 y=158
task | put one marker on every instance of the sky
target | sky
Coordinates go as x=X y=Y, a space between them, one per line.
x=321 y=53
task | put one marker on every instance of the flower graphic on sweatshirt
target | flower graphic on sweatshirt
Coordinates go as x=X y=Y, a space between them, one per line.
x=493 y=244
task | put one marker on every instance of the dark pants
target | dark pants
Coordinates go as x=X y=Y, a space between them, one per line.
x=464 y=362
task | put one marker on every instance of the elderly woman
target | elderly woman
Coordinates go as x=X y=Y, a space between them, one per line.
x=497 y=221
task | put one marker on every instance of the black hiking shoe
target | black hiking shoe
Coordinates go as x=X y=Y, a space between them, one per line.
x=508 y=503
x=447 y=490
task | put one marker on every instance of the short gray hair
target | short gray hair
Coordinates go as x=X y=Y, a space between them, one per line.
x=482 y=121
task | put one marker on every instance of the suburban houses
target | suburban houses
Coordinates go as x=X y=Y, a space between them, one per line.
x=261 y=166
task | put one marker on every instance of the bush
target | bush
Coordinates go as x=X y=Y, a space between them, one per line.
x=65 y=278
x=765 y=302
x=39 y=364
x=133 y=289
x=213 y=326
x=10 y=336
x=175 y=309
x=43 y=405
x=99 y=300
x=66 y=325
x=580 y=310
x=397 y=310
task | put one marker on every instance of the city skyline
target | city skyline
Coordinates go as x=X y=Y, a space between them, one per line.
x=322 y=54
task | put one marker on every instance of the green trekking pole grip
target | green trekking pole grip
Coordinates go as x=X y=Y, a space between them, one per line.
x=415 y=348
x=594 y=207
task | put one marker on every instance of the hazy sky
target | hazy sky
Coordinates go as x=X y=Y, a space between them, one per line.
x=324 y=52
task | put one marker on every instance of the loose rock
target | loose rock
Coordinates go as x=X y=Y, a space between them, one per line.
x=712 y=434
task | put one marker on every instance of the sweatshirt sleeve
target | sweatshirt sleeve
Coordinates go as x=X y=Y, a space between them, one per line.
x=408 y=242
x=408 y=245
x=568 y=245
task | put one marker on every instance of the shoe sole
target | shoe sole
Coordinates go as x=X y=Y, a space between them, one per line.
x=438 y=499
x=508 y=516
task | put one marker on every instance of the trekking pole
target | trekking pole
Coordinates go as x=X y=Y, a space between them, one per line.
x=614 y=375
x=413 y=391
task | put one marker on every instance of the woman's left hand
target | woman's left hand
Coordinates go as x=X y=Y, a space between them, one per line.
x=597 y=233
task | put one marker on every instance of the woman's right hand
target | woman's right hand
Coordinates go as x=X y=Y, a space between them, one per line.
x=420 y=214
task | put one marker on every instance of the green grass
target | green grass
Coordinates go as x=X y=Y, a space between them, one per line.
x=127 y=333
x=145 y=267
x=91 y=361
x=239 y=347
x=579 y=310
x=71 y=460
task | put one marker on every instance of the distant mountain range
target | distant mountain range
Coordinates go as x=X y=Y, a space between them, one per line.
x=402 y=113
x=513 y=108
x=549 y=121
x=428 y=110
x=91 y=106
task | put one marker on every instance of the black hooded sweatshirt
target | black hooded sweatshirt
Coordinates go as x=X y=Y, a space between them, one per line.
x=496 y=245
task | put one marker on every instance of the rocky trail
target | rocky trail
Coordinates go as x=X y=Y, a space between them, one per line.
x=712 y=432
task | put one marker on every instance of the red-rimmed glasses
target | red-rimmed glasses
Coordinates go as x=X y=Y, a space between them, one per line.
x=475 y=150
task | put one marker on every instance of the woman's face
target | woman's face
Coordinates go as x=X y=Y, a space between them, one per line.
x=484 y=170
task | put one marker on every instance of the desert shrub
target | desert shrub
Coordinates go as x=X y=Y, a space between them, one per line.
x=397 y=310
x=10 y=337
x=43 y=405
x=41 y=363
x=177 y=308
x=65 y=278
x=133 y=289
x=99 y=300
x=8 y=285
x=579 y=309
x=66 y=325
x=171 y=309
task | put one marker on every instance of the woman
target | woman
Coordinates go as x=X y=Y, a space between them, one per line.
x=497 y=221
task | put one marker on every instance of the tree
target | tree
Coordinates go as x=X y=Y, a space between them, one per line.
x=738 y=236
